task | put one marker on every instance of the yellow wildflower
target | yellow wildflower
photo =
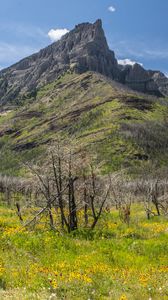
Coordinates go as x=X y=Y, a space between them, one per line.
x=2 y=270
x=123 y=297
x=143 y=279
x=54 y=283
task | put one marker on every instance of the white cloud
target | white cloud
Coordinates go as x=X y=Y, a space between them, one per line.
x=128 y=61
x=111 y=8
x=56 y=34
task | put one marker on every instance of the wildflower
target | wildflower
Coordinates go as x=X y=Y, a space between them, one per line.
x=87 y=279
x=54 y=283
x=163 y=269
x=123 y=297
x=2 y=269
x=111 y=225
x=144 y=279
x=13 y=230
x=155 y=228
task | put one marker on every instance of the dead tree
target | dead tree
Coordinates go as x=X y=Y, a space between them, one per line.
x=154 y=192
x=98 y=193
x=19 y=212
x=69 y=185
x=73 y=223
x=123 y=193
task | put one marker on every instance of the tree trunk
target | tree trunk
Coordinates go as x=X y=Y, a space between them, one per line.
x=72 y=206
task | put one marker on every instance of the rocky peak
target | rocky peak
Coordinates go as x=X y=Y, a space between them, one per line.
x=139 y=79
x=160 y=80
x=87 y=32
x=90 y=31
x=137 y=73
x=82 y=49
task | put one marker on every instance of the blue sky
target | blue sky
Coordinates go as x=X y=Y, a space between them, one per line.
x=135 y=29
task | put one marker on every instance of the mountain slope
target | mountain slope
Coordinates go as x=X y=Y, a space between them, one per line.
x=82 y=49
x=67 y=90
x=123 y=128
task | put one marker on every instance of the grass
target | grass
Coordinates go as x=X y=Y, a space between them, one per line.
x=112 y=262
x=95 y=113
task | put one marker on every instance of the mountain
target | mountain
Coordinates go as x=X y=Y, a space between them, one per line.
x=75 y=89
x=160 y=80
x=145 y=81
x=121 y=127
x=82 y=49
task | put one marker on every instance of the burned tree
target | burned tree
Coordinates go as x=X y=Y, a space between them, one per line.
x=70 y=185
x=123 y=193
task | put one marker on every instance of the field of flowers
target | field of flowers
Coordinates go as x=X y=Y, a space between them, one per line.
x=112 y=262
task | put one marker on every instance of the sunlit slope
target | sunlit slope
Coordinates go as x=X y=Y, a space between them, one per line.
x=123 y=128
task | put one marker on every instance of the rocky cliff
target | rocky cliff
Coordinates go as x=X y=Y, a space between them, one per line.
x=83 y=49
x=160 y=80
x=145 y=81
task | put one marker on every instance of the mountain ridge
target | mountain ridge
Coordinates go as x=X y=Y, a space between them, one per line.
x=119 y=126
x=78 y=50
x=102 y=114
x=83 y=49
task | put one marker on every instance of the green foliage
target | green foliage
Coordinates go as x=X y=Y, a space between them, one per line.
x=123 y=129
x=111 y=262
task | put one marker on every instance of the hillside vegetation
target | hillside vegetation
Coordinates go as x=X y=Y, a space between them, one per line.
x=83 y=175
x=123 y=128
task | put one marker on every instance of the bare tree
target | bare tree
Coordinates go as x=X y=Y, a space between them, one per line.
x=154 y=192
x=123 y=194
x=69 y=184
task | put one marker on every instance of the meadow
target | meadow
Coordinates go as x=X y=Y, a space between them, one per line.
x=113 y=261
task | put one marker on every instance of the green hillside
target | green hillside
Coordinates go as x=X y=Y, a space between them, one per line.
x=123 y=128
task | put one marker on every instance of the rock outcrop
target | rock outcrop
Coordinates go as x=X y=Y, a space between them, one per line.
x=82 y=49
x=145 y=81
x=160 y=80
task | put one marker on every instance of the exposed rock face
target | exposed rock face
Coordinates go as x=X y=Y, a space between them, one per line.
x=139 y=79
x=91 y=51
x=161 y=81
x=82 y=49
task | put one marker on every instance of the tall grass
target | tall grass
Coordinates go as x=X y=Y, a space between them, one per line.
x=112 y=262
